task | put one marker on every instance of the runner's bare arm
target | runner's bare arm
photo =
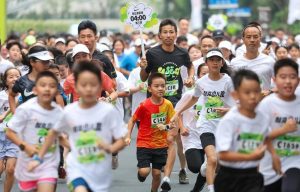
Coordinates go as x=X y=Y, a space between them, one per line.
x=257 y=154
x=288 y=127
x=143 y=74
x=12 y=101
x=188 y=104
x=130 y=126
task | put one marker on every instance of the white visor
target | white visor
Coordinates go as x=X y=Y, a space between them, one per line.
x=43 y=55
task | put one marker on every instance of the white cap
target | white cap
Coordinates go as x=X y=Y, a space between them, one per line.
x=62 y=40
x=275 y=40
x=138 y=42
x=225 y=44
x=297 y=38
x=80 y=48
x=42 y=55
x=214 y=53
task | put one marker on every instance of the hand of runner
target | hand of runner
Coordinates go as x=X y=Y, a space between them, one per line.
x=30 y=150
x=221 y=110
x=276 y=164
x=143 y=63
x=104 y=146
x=189 y=82
x=32 y=165
x=174 y=118
x=127 y=140
x=184 y=131
x=141 y=86
x=161 y=127
x=290 y=126
x=259 y=152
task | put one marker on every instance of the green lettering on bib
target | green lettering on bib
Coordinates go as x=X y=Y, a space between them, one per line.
x=171 y=88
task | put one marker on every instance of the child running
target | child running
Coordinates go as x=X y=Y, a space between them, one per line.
x=240 y=138
x=282 y=109
x=154 y=115
x=8 y=150
x=215 y=87
x=91 y=126
x=190 y=134
x=28 y=128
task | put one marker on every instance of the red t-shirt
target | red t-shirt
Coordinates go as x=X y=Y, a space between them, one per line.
x=149 y=115
x=69 y=85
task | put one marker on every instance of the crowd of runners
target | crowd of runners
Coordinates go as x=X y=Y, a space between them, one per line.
x=228 y=107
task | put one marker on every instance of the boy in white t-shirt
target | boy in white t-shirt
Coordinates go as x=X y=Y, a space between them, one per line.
x=282 y=109
x=91 y=126
x=240 y=138
x=215 y=89
x=28 y=128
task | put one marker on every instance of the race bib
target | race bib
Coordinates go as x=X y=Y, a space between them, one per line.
x=87 y=149
x=171 y=88
x=210 y=105
x=158 y=118
x=42 y=134
x=287 y=145
x=248 y=142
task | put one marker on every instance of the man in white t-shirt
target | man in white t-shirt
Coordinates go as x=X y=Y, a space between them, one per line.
x=253 y=59
x=183 y=29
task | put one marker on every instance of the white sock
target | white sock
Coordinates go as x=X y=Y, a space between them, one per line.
x=166 y=179
x=211 y=188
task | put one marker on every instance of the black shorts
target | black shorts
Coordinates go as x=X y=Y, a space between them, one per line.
x=207 y=139
x=156 y=157
x=239 y=180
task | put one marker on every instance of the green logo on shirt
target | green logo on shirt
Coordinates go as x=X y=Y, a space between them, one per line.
x=248 y=142
x=171 y=88
x=210 y=105
x=158 y=118
x=88 y=151
x=172 y=73
x=287 y=145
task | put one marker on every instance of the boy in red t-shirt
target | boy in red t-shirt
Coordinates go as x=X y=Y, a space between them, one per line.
x=154 y=115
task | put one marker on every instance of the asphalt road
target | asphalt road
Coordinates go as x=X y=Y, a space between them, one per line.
x=125 y=179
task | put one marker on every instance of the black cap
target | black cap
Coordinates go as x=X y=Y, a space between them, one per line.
x=218 y=34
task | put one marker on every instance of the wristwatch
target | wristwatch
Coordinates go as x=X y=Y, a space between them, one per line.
x=22 y=147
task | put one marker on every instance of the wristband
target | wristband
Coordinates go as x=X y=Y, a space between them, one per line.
x=37 y=158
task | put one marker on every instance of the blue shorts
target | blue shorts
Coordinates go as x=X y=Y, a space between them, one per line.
x=7 y=148
x=79 y=182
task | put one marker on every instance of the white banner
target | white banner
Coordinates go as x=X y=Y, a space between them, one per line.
x=294 y=11
x=196 y=14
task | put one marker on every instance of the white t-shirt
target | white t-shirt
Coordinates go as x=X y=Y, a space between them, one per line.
x=134 y=80
x=122 y=85
x=4 y=106
x=242 y=49
x=31 y=122
x=238 y=133
x=189 y=120
x=287 y=146
x=297 y=91
x=215 y=94
x=4 y=65
x=84 y=127
x=262 y=65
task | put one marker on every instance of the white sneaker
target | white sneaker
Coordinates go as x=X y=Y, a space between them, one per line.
x=203 y=167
